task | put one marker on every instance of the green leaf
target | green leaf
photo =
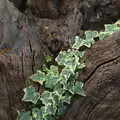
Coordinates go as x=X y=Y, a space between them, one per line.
x=37 y=114
x=48 y=58
x=51 y=81
x=24 y=116
x=91 y=34
x=79 y=42
x=46 y=98
x=53 y=70
x=51 y=109
x=65 y=58
x=77 y=88
x=39 y=77
x=66 y=73
x=66 y=98
x=31 y=95
x=103 y=35
x=111 y=28
x=81 y=65
x=48 y=110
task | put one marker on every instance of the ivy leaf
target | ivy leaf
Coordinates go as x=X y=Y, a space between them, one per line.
x=66 y=98
x=24 y=116
x=103 y=35
x=51 y=109
x=111 y=28
x=39 y=77
x=77 y=88
x=91 y=34
x=53 y=70
x=37 y=114
x=46 y=97
x=65 y=58
x=81 y=65
x=79 y=42
x=66 y=73
x=51 y=81
x=48 y=110
x=52 y=77
x=48 y=58
x=31 y=95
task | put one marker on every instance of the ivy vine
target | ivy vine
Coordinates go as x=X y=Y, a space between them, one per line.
x=60 y=81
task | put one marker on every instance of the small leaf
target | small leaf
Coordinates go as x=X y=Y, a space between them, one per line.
x=48 y=58
x=111 y=28
x=103 y=35
x=37 y=114
x=66 y=98
x=66 y=73
x=53 y=70
x=24 y=116
x=31 y=95
x=79 y=42
x=77 y=89
x=48 y=110
x=47 y=98
x=39 y=77
x=81 y=65
x=91 y=34
x=51 y=109
x=51 y=81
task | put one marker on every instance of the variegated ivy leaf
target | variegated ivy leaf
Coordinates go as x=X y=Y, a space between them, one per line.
x=75 y=52
x=31 y=95
x=51 y=81
x=68 y=59
x=117 y=23
x=59 y=90
x=64 y=58
x=24 y=116
x=65 y=74
x=48 y=110
x=81 y=65
x=39 y=77
x=47 y=98
x=103 y=35
x=66 y=98
x=91 y=34
x=79 y=42
x=52 y=77
x=37 y=114
x=53 y=70
x=77 y=88
x=111 y=28
x=48 y=58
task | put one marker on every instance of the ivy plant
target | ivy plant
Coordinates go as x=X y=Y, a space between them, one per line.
x=60 y=81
